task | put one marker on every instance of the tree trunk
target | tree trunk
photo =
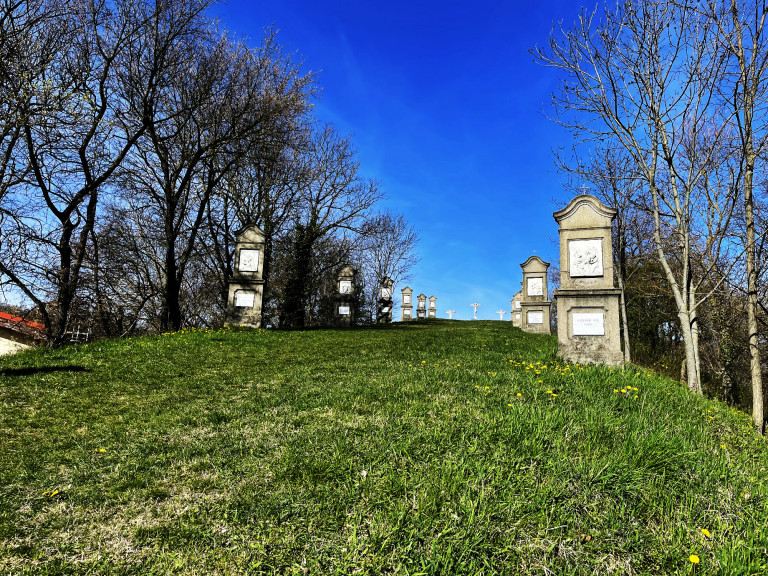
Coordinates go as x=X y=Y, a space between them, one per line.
x=758 y=417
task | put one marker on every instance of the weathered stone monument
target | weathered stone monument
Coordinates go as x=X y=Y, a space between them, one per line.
x=384 y=310
x=515 y=314
x=587 y=302
x=346 y=297
x=432 y=311
x=246 y=286
x=406 y=310
x=535 y=304
x=421 y=306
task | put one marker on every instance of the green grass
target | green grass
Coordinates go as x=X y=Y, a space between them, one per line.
x=396 y=450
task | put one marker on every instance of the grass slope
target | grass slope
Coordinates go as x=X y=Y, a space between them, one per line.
x=438 y=448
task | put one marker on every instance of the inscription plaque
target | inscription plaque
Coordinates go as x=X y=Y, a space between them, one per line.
x=406 y=298
x=535 y=317
x=343 y=310
x=588 y=324
x=244 y=299
x=517 y=304
x=517 y=316
x=585 y=258
x=407 y=312
x=345 y=286
x=535 y=287
x=249 y=260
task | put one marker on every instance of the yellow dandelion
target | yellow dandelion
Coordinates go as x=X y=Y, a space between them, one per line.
x=706 y=532
x=623 y=391
x=615 y=390
x=636 y=396
x=694 y=559
x=509 y=404
x=554 y=395
x=519 y=394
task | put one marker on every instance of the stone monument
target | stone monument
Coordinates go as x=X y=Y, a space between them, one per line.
x=475 y=305
x=406 y=310
x=246 y=286
x=384 y=311
x=535 y=304
x=421 y=306
x=346 y=297
x=501 y=313
x=515 y=315
x=450 y=313
x=587 y=301
x=432 y=312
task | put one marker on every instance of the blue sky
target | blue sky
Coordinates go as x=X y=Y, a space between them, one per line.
x=448 y=111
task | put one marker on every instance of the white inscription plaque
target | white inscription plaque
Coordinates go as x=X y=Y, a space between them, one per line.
x=535 y=287
x=517 y=304
x=345 y=286
x=343 y=310
x=406 y=298
x=432 y=304
x=586 y=257
x=535 y=317
x=244 y=299
x=407 y=312
x=249 y=260
x=588 y=324
x=517 y=316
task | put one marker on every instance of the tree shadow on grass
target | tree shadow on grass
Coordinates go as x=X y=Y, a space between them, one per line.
x=41 y=370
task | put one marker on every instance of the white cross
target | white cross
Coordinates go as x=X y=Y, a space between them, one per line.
x=501 y=314
x=450 y=313
x=584 y=188
x=475 y=305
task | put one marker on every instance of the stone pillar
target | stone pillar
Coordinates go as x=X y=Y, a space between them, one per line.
x=587 y=302
x=515 y=314
x=535 y=304
x=432 y=310
x=406 y=310
x=421 y=306
x=346 y=297
x=384 y=311
x=246 y=286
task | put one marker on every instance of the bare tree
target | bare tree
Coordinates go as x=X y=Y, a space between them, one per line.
x=645 y=78
x=196 y=132
x=335 y=201
x=387 y=249
x=741 y=30
x=77 y=130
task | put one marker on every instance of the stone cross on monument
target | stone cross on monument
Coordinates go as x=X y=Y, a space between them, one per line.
x=450 y=313
x=501 y=313
x=475 y=305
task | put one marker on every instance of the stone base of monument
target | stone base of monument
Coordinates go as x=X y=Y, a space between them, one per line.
x=344 y=312
x=534 y=317
x=244 y=303
x=588 y=329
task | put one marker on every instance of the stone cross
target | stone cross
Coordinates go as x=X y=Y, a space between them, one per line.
x=501 y=313
x=450 y=313
x=475 y=305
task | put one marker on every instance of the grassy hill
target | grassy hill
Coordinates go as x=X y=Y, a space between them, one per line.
x=437 y=448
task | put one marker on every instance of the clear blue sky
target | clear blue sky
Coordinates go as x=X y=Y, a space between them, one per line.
x=447 y=109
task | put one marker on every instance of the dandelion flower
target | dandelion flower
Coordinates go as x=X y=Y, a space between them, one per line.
x=509 y=404
x=694 y=559
x=706 y=532
x=615 y=390
x=519 y=394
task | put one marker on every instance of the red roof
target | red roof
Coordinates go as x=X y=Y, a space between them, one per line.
x=18 y=320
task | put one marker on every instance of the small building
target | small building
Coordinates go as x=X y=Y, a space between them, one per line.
x=18 y=334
